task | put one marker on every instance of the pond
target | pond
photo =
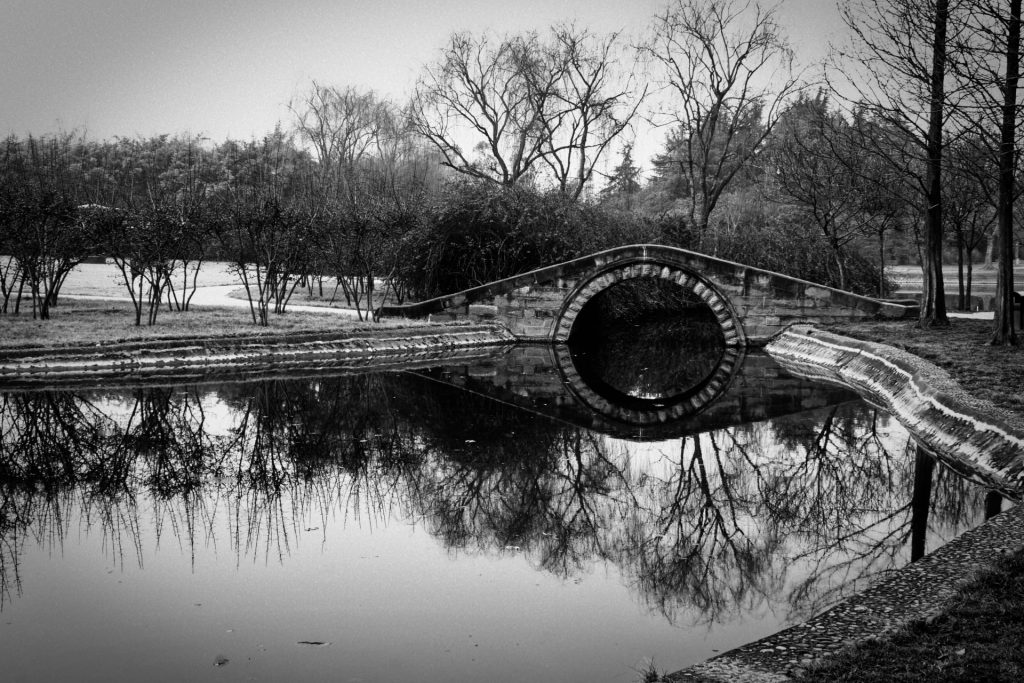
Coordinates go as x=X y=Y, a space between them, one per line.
x=488 y=518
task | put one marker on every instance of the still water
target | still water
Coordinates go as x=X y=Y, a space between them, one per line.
x=484 y=519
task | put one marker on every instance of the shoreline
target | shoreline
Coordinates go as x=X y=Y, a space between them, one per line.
x=165 y=358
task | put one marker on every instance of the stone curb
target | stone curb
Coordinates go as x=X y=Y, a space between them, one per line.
x=944 y=417
x=14 y=352
x=255 y=353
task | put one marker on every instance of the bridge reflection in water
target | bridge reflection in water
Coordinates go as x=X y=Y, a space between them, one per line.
x=735 y=515
x=739 y=389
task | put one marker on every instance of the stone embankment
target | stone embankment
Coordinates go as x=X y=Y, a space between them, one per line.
x=243 y=354
x=969 y=434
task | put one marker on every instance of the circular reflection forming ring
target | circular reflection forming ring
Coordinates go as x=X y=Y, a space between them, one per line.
x=641 y=412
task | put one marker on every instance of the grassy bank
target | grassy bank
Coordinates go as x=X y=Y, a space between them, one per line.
x=76 y=322
x=979 y=637
x=994 y=373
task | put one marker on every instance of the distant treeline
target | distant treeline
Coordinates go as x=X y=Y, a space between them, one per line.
x=160 y=207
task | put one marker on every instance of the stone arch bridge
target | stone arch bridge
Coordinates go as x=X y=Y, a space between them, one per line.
x=752 y=305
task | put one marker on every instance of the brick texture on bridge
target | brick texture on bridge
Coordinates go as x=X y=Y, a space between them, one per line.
x=751 y=304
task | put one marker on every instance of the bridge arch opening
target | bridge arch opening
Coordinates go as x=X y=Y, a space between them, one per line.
x=673 y=278
x=646 y=343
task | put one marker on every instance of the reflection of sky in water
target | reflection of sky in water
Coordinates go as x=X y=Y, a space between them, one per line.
x=651 y=358
x=434 y=559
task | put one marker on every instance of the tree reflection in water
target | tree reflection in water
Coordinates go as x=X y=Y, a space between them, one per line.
x=792 y=512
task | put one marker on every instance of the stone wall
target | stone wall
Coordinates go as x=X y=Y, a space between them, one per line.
x=529 y=312
x=768 y=303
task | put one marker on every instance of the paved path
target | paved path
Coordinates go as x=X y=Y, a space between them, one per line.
x=219 y=296
x=980 y=315
x=103 y=282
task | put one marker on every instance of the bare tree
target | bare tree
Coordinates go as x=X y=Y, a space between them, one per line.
x=969 y=205
x=588 y=107
x=265 y=223
x=478 y=91
x=897 y=70
x=817 y=166
x=728 y=72
x=525 y=107
x=404 y=165
x=1003 y=332
x=41 y=231
x=991 y=71
x=143 y=251
x=343 y=125
x=150 y=208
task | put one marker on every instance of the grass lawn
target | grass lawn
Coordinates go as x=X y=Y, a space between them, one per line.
x=76 y=322
x=980 y=637
x=993 y=373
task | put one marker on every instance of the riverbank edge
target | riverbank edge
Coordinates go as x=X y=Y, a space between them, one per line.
x=969 y=434
x=235 y=354
x=941 y=415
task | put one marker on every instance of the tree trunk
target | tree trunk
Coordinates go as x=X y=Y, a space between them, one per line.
x=21 y=293
x=702 y=223
x=841 y=269
x=1003 y=333
x=881 y=264
x=933 y=307
x=962 y=300
x=970 y=278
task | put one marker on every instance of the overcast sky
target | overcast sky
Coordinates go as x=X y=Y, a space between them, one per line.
x=227 y=68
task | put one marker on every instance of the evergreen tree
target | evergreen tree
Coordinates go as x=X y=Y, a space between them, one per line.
x=623 y=181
